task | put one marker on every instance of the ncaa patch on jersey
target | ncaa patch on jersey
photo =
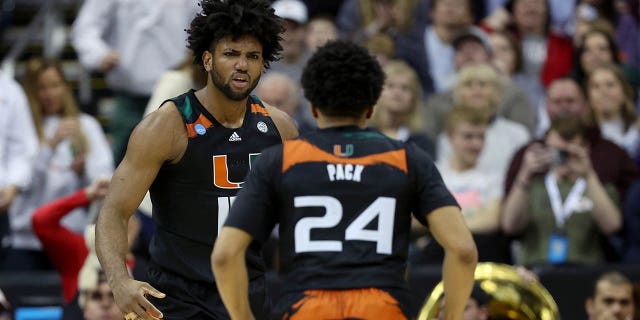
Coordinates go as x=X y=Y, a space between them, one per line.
x=262 y=127
x=200 y=129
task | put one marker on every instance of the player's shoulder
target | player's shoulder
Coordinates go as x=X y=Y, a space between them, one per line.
x=285 y=124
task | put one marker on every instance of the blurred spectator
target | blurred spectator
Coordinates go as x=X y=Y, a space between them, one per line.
x=133 y=42
x=281 y=91
x=5 y=307
x=177 y=81
x=18 y=148
x=583 y=26
x=507 y=58
x=547 y=54
x=597 y=48
x=294 y=57
x=397 y=113
x=95 y=296
x=612 y=107
x=480 y=88
x=561 y=216
x=513 y=104
x=429 y=50
x=382 y=47
x=359 y=20
x=320 y=30
x=477 y=191
x=612 y=298
x=73 y=152
x=613 y=165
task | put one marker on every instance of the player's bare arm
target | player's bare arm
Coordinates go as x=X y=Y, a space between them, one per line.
x=448 y=227
x=284 y=123
x=159 y=138
x=229 y=268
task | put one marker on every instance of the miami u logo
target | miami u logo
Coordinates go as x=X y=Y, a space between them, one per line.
x=337 y=150
x=221 y=172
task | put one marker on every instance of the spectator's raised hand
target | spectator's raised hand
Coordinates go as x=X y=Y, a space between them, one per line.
x=7 y=194
x=67 y=127
x=98 y=188
x=110 y=61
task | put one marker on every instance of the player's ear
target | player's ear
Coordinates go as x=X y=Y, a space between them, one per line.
x=207 y=60
x=369 y=112
x=314 y=111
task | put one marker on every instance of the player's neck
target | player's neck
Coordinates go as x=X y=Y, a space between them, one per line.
x=230 y=113
x=329 y=122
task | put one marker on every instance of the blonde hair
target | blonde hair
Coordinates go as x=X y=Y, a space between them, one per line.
x=34 y=69
x=464 y=113
x=628 y=109
x=413 y=117
x=481 y=72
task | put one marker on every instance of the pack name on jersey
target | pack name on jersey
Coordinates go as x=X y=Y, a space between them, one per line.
x=345 y=172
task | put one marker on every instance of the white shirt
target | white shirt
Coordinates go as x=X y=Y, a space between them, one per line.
x=148 y=35
x=614 y=131
x=440 y=57
x=502 y=139
x=53 y=178
x=18 y=138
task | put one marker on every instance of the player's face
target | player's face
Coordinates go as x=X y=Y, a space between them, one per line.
x=467 y=141
x=100 y=304
x=236 y=66
x=611 y=302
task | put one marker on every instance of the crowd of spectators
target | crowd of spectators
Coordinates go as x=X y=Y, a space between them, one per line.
x=528 y=107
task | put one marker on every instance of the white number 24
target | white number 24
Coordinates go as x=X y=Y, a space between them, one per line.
x=382 y=207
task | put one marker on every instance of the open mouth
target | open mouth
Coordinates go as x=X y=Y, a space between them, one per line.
x=240 y=81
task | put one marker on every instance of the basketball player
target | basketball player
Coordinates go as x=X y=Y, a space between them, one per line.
x=343 y=197
x=193 y=154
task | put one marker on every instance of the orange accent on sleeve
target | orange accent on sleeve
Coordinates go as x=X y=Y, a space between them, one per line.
x=191 y=131
x=300 y=151
x=256 y=108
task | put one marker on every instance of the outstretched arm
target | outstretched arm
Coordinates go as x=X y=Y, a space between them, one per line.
x=449 y=229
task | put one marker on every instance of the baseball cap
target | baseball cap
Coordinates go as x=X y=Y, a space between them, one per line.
x=471 y=35
x=293 y=10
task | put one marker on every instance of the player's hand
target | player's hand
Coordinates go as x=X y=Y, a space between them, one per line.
x=131 y=296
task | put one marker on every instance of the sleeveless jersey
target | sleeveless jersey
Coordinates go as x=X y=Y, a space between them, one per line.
x=343 y=198
x=191 y=198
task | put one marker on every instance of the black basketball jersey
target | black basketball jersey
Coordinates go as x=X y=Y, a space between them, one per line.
x=343 y=197
x=191 y=198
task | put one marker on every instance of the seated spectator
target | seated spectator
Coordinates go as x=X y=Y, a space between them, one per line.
x=296 y=16
x=429 y=49
x=281 y=91
x=320 y=30
x=612 y=298
x=612 y=107
x=73 y=152
x=472 y=49
x=596 y=49
x=507 y=58
x=560 y=216
x=397 y=112
x=565 y=98
x=359 y=20
x=95 y=296
x=479 y=87
x=629 y=238
x=547 y=54
x=477 y=191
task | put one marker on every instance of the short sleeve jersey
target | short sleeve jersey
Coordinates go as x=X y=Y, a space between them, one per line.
x=191 y=198
x=343 y=198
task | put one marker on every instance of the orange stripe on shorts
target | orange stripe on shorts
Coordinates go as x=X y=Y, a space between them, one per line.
x=366 y=303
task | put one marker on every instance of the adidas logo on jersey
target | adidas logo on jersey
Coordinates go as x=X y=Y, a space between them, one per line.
x=235 y=137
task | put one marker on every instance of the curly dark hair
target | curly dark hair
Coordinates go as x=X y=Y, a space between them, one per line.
x=342 y=79
x=235 y=18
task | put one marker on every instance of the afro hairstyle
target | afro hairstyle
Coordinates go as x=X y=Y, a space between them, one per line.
x=342 y=79
x=236 y=18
